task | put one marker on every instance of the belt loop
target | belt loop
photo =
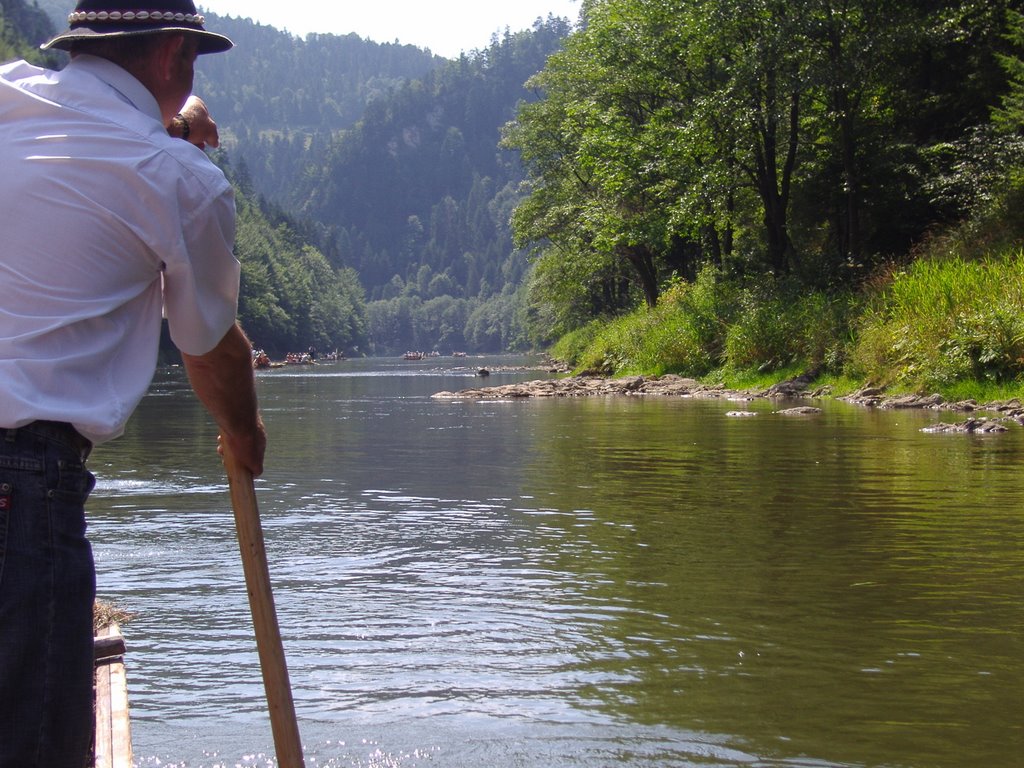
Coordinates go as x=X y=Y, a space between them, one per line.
x=12 y=433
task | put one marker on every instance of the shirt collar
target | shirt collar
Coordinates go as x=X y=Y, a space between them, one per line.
x=125 y=84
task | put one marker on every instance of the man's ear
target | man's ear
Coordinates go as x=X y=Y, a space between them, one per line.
x=168 y=55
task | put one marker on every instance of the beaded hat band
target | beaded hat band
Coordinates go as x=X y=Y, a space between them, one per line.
x=77 y=17
x=93 y=19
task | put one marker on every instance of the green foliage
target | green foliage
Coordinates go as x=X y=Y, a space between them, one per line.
x=980 y=391
x=719 y=325
x=571 y=347
x=495 y=324
x=418 y=180
x=291 y=297
x=23 y=26
x=564 y=292
x=685 y=333
x=407 y=322
x=273 y=81
x=762 y=333
x=601 y=194
x=778 y=325
x=691 y=323
x=390 y=155
x=1009 y=116
x=781 y=139
x=941 y=321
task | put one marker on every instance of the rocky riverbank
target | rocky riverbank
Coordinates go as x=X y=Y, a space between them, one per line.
x=986 y=418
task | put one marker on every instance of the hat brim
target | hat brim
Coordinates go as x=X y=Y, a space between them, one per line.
x=209 y=42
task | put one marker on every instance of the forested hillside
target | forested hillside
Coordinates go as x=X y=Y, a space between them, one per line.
x=280 y=99
x=418 y=197
x=292 y=296
x=21 y=23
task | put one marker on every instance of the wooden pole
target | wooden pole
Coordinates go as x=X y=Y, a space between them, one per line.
x=264 y=617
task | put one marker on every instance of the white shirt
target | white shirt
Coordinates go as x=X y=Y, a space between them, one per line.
x=106 y=222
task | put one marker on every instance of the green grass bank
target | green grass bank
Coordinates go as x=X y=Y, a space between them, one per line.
x=950 y=320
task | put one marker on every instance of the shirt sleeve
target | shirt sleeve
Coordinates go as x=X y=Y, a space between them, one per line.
x=200 y=290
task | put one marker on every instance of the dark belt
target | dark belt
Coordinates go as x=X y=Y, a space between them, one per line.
x=57 y=431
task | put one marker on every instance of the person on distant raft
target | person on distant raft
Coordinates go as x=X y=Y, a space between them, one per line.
x=109 y=220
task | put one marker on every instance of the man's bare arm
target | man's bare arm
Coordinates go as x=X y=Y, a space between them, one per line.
x=223 y=381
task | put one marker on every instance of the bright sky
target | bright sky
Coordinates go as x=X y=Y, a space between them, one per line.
x=446 y=27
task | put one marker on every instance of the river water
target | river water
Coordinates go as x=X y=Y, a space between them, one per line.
x=553 y=583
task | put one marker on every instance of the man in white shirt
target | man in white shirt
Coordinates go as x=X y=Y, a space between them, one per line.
x=108 y=222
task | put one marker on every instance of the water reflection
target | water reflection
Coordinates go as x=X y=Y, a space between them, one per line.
x=812 y=585
x=571 y=582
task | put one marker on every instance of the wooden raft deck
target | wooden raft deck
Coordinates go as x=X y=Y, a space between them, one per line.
x=113 y=748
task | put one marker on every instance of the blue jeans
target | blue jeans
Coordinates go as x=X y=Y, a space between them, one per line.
x=47 y=589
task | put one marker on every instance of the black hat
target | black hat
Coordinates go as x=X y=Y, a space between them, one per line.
x=94 y=19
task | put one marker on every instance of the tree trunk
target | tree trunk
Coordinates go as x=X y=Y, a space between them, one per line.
x=642 y=261
x=773 y=183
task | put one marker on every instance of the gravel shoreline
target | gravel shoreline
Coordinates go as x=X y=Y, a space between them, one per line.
x=986 y=418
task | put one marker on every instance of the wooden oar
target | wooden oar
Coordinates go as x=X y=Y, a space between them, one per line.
x=264 y=617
